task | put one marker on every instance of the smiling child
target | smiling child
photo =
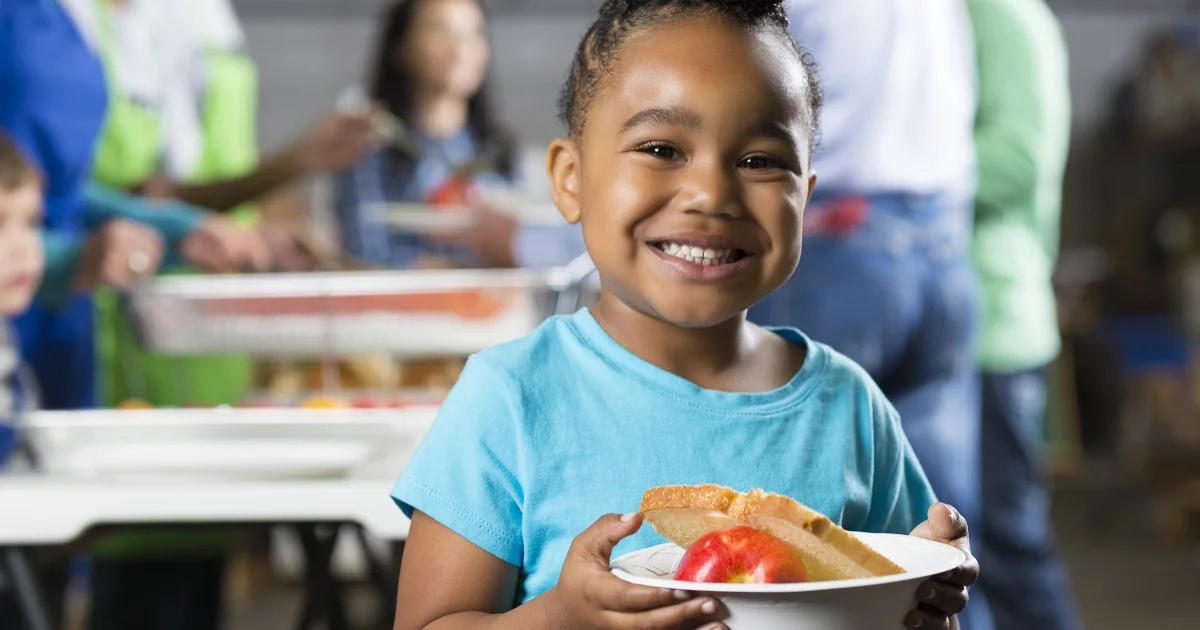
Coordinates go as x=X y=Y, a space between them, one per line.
x=691 y=126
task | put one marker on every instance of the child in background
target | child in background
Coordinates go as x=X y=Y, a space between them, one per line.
x=21 y=263
x=691 y=126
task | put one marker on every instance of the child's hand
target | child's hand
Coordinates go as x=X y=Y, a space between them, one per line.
x=589 y=597
x=944 y=596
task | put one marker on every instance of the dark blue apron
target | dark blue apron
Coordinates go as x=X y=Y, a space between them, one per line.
x=52 y=102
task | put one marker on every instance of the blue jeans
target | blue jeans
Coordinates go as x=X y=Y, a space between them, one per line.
x=1025 y=582
x=899 y=296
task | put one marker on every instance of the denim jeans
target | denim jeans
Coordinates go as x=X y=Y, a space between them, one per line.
x=897 y=293
x=1025 y=582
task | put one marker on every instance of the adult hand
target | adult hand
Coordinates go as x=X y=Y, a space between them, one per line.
x=338 y=141
x=118 y=255
x=492 y=236
x=219 y=246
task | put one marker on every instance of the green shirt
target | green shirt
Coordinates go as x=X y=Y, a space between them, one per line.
x=1022 y=135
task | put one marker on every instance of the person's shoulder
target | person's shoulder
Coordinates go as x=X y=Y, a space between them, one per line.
x=531 y=354
x=838 y=372
x=516 y=379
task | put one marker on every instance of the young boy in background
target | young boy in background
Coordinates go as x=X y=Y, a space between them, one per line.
x=21 y=263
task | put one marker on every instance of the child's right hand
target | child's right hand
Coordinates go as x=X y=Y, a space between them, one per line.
x=588 y=596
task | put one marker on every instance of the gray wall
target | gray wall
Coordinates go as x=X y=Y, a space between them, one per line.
x=308 y=50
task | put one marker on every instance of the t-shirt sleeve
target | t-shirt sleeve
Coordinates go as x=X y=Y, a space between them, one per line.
x=901 y=494
x=464 y=473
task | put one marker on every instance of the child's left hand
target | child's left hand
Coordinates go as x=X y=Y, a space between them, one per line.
x=943 y=596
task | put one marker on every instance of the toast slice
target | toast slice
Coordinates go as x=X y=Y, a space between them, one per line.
x=682 y=514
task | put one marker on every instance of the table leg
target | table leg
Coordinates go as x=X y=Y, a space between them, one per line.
x=382 y=575
x=323 y=597
x=29 y=595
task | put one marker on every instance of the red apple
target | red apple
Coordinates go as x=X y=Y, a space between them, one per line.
x=741 y=555
x=365 y=403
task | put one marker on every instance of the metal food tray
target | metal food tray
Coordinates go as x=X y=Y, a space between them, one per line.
x=226 y=443
x=402 y=313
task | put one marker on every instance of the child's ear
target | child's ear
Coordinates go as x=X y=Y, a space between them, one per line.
x=562 y=165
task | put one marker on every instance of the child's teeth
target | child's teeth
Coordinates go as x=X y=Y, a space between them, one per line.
x=699 y=255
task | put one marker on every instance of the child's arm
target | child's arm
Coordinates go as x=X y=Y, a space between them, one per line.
x=172 y=220
x=447 y=583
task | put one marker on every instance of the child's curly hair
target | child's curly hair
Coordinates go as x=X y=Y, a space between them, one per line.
x=620 y=18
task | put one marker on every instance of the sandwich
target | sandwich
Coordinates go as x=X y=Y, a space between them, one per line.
x=685 y=514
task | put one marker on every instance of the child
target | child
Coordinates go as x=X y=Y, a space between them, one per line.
x=20 y=271
x=688 y=164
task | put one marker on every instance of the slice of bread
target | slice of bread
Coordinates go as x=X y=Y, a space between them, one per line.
x=682 y=514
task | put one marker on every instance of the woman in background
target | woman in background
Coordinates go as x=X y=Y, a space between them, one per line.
x=430 y=70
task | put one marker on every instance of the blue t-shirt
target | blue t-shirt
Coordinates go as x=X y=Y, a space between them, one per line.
x=543 y=435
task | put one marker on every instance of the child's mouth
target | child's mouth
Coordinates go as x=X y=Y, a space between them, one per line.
x=711 y=257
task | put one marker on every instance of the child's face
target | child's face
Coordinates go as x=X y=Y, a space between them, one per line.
x=692 y=171
x=21 y=258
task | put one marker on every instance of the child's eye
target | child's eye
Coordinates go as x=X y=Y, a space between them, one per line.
x=761 y=163
x=659 y=150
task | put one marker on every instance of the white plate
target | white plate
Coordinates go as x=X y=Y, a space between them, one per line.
x=921 y=558
x=422 y=218
x=866 y=604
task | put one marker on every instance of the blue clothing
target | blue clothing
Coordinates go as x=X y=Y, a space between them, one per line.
x=1025 y=582
x=363 y=192
x=899 y=78
x=898 y=295
x=543 y=435
x=53 y=105
x=547 y=246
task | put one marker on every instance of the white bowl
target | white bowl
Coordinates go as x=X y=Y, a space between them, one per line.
x=865 y=604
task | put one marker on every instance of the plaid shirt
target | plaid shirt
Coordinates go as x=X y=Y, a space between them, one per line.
x=361 y=195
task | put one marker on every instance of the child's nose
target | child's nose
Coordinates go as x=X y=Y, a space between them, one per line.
x=710 y=189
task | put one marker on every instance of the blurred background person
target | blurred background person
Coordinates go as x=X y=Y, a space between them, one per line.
x=886 y=275
x=21 y=262
x=1022 y=135
x=182 y=124
x=54 y=103
x=429 y=71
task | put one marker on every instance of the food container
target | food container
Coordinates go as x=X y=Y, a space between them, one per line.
x=199 y=444
x=865 y=604
x=403 y=313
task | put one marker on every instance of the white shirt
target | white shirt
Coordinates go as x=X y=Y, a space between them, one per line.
x=900 y=94
x=158 y=53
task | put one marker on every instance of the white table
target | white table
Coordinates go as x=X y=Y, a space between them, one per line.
x=38 y=511
x=47 y=511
